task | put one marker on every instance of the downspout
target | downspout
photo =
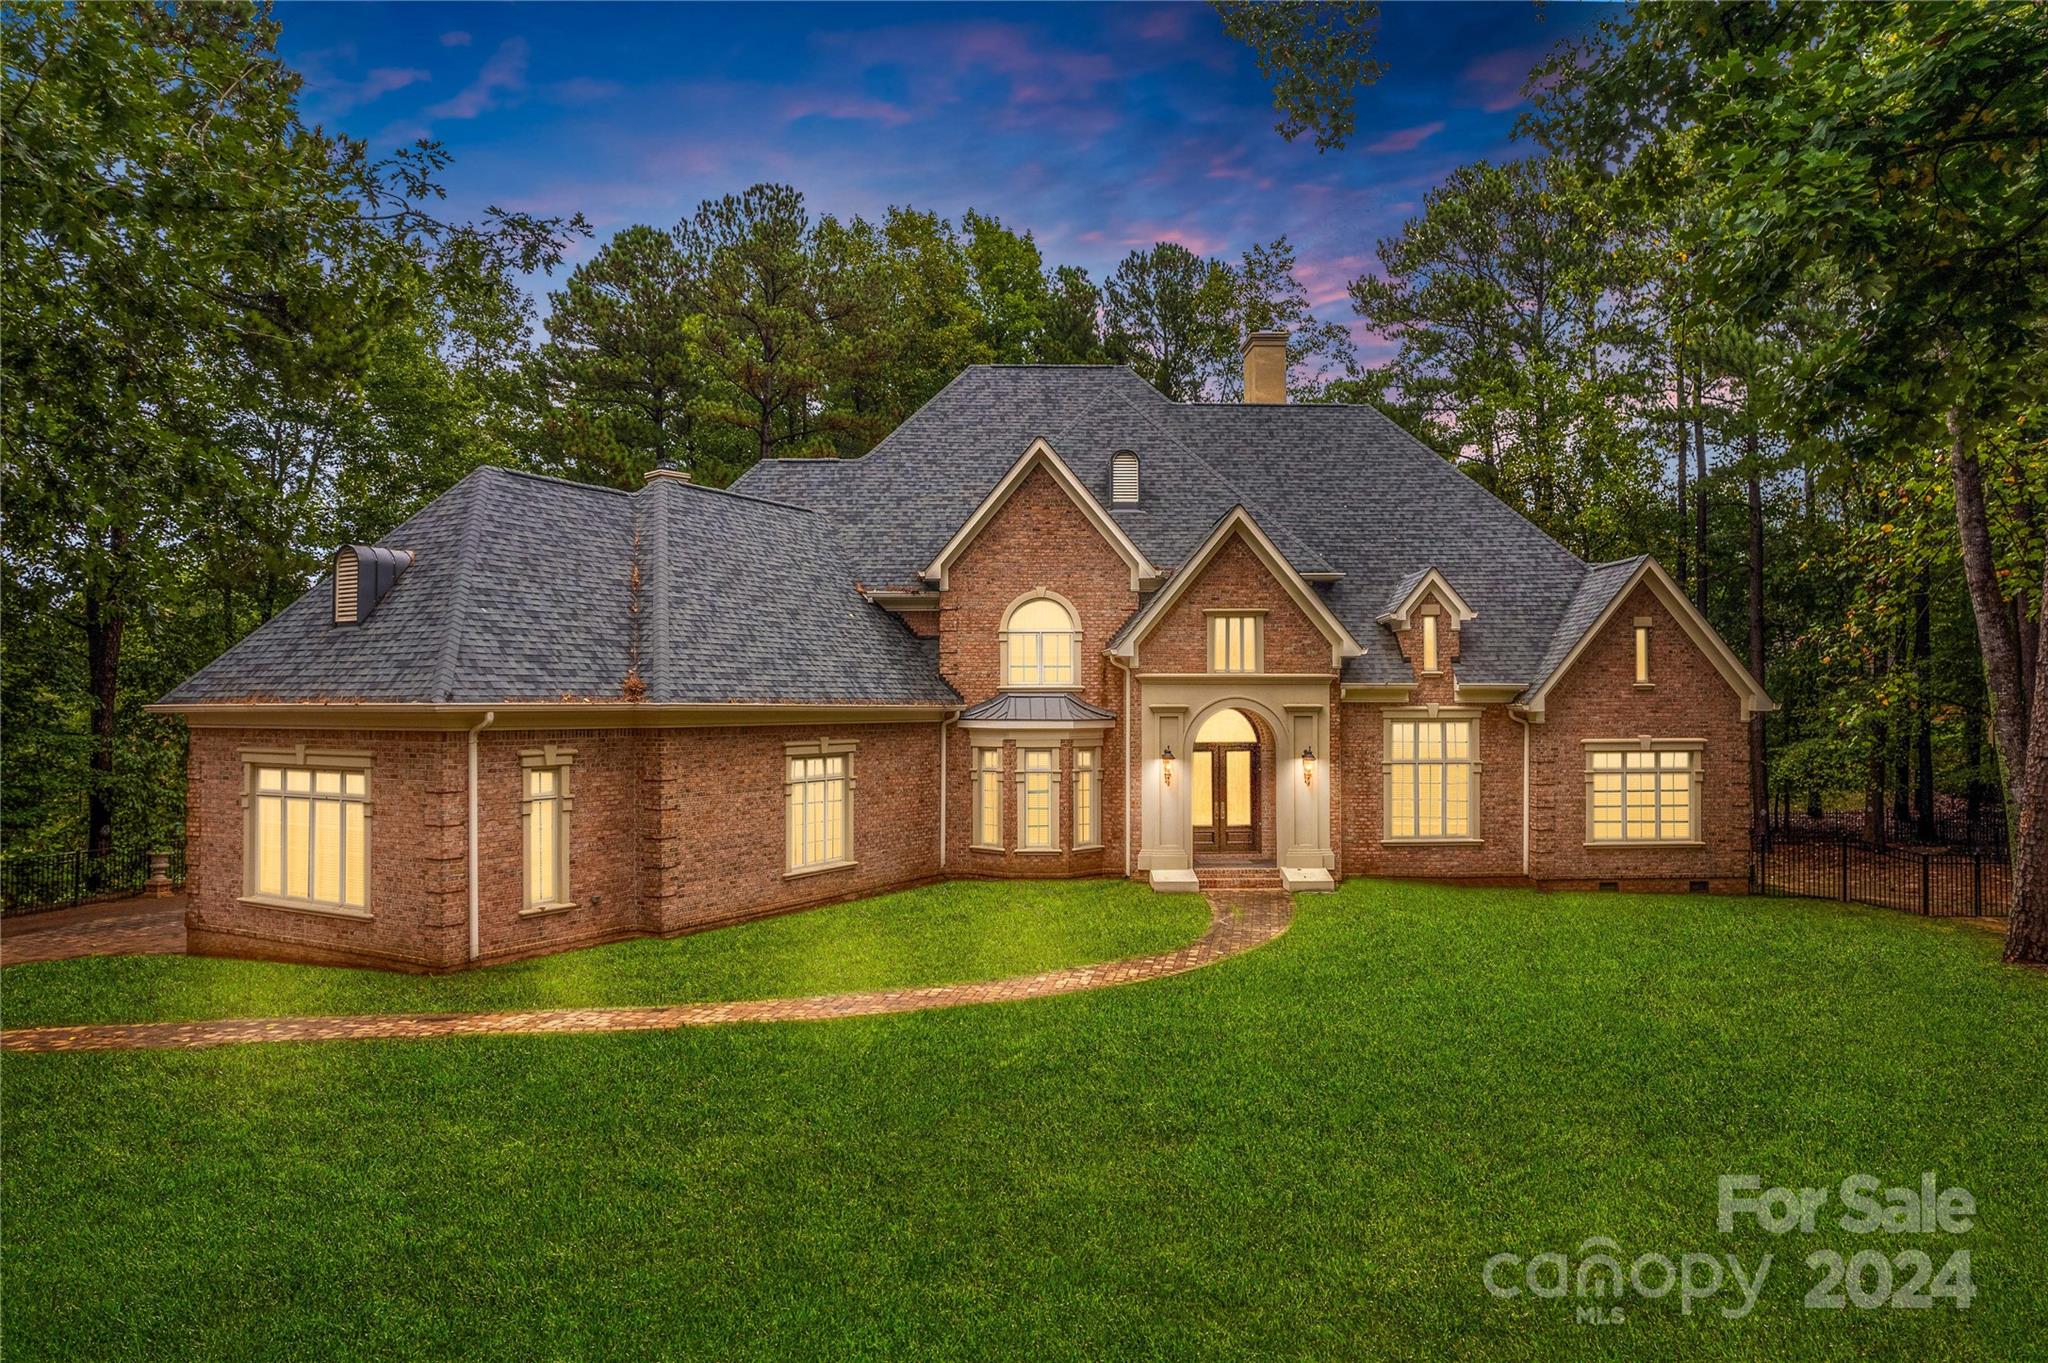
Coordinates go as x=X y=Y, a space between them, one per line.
x=1523 y=720
x=1127 y=774
x=475 y=947
x=945 y=796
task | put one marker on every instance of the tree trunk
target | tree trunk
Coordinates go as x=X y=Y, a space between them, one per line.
x=2016 y=716
x=105 y=622
x=1699 y=490
x=1679 y=370
x=1759 y=785
x=1923 y=711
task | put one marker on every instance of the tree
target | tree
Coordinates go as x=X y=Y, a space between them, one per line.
x=1316 y=56
x=1266 y=294
x=619 y=370
x=1168 y=310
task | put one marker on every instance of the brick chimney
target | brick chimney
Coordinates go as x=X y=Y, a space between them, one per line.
x=1265 y=366
x=655 y=473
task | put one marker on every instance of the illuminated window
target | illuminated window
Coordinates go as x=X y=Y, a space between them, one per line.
x=988 y=797
x=818 y=791
x=1087 y=799
x=309 y=836
x=1638 y=794
x=1036 y=768
x=1429 y=643
x=1038 y=644
x=1642 y=655
x=1234 y=643
x=1432 y=779
x=546 y=817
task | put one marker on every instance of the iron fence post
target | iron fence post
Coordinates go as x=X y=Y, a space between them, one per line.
x=1976 y=884
x=1925 y=907
x=1843 y=846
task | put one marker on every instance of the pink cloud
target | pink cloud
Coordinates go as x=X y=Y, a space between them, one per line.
x=853 y=108
x=503 y=75
x=1164 y=24
x=1495 y=80
x=455 y=37
x=1406 y=139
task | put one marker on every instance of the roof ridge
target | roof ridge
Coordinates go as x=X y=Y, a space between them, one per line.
x=684 y=484
x=450 y=657
x=556 y=479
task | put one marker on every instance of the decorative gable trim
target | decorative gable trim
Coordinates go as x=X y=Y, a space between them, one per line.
x=1238 y=523
x=1755 y=700
x=1041 y=455
x=1398 y=613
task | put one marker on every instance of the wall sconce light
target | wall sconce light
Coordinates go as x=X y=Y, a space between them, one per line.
x=1166 y=766
x=1308 y=766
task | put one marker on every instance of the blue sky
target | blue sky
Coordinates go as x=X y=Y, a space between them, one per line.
x=1099 y=127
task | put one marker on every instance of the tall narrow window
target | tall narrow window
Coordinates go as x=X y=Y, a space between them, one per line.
x=988 y=797
x=309 y=836
x=1234 y=643
x=1429 y=643
x=1123 y=480
x=1431 y=777
x=1637 y=794
x=547 y=842
x=1087 y=799
x=1036 y=768
x=1038 y=644
x=820 y=812
x=1642 y=654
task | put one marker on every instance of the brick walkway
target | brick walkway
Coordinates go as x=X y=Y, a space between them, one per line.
x=124 y=927
x=1237 y=924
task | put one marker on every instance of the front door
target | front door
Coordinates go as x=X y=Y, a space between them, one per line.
x=1224 y=790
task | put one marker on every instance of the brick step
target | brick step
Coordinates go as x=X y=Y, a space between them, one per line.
x=1238 y=878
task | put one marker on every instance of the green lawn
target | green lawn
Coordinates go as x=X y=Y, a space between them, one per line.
x=1306 y=1152
x=966 y=930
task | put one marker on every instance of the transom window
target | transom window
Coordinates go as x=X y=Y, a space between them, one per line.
x=309 y=836
x=1638 y=794
x=1036 y=768
x=1087 y=799
x=1234 y=642
x=1432 y=778
x=1038 y=644
x=818 y=791
x=988 y=797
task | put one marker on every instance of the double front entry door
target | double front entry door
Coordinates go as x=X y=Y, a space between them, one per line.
x=1223 y=787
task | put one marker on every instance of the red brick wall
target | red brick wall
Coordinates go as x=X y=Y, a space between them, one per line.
x=1361 y=812
x=965 y=859
x=1234 y=578
x=1039 y=539
x=1598 y=698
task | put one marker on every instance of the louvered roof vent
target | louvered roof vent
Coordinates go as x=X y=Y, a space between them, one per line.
x=363 y=573
x=1123 y=479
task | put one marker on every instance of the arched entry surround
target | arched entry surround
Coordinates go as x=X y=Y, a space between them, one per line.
x=1233 y=756
x=1296 y=712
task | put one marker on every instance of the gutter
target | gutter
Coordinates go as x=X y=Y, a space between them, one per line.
x=945 y=795
x=1126 y=717
x=1521 y=717
x=474 y=934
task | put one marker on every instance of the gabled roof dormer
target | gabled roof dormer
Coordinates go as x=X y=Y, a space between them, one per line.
x=1414 y=589
x=1040 y=455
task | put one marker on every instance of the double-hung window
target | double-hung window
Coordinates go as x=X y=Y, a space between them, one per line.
x=1234 y=643
x=1037 y=815
x=308 y=833
x=988 y=797
x=1431 y=779
x=818 y=790
x=1087 y=798
x=1638 y=793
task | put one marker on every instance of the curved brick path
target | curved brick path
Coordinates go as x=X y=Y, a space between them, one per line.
x=1237 y=923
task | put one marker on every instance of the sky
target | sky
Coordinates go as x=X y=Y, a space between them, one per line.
x=1100 y=128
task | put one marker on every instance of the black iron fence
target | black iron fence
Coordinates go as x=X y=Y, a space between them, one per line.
x=1951 y=883
x=58 y=880
x=1948 y=828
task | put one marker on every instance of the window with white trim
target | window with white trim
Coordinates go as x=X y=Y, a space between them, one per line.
x=1642 y=653
x=1039 y=641
x=308 y=836
x=1642 y=794
x=988 y=797
x=545 y=813
x=1432 y=779
x=1429 y=657
x=819 y=791
x=1087 y=798
x=1234 y=643
x=1037 y=814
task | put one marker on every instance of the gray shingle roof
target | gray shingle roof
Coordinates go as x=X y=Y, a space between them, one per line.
x=523 y=590
x=1030 y=707
x=1595 y=591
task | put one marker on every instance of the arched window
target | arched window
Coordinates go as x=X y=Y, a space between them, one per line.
x=1038 y=644
x=1123 y=479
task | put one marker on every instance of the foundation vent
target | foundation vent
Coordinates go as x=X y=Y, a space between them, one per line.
x=363 y=574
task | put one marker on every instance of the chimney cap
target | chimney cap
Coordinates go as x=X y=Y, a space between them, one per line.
x=1274 y=336
x=655 y=473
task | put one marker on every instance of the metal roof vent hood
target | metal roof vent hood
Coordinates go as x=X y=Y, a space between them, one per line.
x=363 y=574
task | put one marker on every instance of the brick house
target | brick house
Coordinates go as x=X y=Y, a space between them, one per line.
x=1054 y=625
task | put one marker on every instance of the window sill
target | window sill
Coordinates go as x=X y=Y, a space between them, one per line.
x=1086 y=847
x=1646 y=686
x=1648 y=842
x=1432 y=842
x=1040 y=851
x=543 y=910
x=303 y=906
x=989 y=848
x=803 y=871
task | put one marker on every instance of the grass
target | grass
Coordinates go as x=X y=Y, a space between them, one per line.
x=965 y=930
x=1306 y=1152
